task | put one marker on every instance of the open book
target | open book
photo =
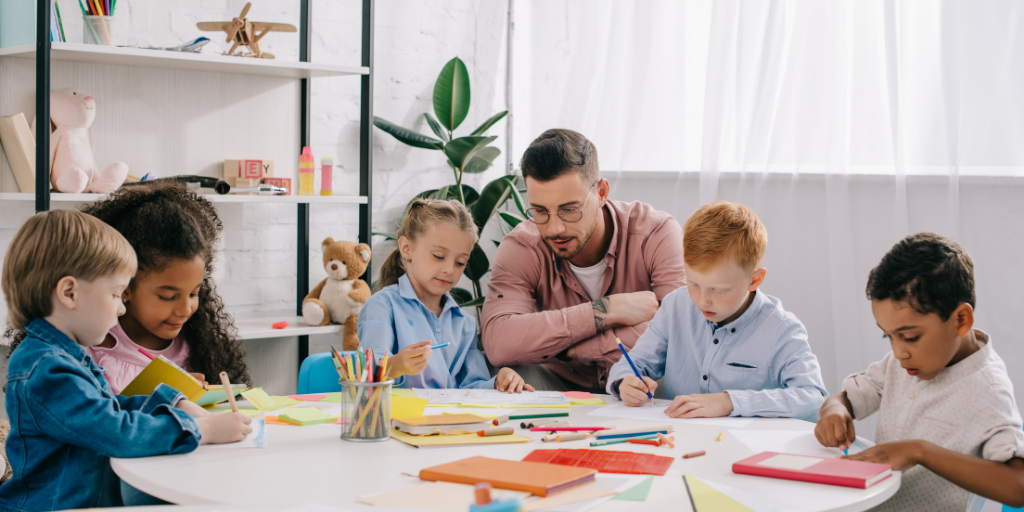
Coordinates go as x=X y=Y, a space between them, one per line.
x=162 y=371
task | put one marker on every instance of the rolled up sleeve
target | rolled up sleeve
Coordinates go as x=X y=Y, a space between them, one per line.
x=864 y=390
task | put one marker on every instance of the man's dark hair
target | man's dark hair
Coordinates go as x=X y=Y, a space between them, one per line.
x=557 y=152
x=929 y=272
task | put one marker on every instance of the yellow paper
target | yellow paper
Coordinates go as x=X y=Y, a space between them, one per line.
x=482 y=415
x=566 y=405
x=408 y=393
x=457 y=440
x=708 y=498
x=284 y=401
x=159 y=371
x=261 y=399
x=587 y=401
x=220 y=410
x=405 y=407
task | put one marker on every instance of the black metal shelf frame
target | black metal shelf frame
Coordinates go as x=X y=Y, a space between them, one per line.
x=305 y=39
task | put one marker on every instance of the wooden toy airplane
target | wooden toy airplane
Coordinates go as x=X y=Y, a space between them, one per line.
x=246 y=33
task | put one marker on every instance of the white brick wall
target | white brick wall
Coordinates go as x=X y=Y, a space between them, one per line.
x=414 y=39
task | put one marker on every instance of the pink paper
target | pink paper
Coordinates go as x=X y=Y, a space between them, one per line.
x=308 y=398
x=579 y=395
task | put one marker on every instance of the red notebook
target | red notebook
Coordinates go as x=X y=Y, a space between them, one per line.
x=605 y=461
x=847 y=473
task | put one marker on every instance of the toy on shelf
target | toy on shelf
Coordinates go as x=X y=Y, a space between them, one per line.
x=340 y=296
x=244 y=32
x=327 y=176
x=307 y=172
x=73 y=167
x=247 y=173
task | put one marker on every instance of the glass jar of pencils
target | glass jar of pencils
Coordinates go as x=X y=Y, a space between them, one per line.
x=366 y=410
x=98 y=30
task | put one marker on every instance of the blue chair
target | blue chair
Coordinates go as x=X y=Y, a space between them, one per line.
x=318 y=375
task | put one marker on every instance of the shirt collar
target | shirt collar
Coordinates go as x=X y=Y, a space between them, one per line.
x=755 y=308
x=407 y=292
x=47 y=333
x=971 y=363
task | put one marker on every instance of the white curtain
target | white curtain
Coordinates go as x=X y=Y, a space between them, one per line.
x=845 y=125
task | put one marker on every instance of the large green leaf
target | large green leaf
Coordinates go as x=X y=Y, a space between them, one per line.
x=512 y=219
x=406 y=135
x=519 y=200
x=478 y=264
x=481 y=160
x=451 y=94
x=492 y=197
x=462 y=149
x=489 y=123
x=479 y=301
x=436 y=127
x=387 y=236
x=461 y=295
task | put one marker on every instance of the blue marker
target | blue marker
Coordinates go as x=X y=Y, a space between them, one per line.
x=631 y=365
x=859 y=444
x=439 y=345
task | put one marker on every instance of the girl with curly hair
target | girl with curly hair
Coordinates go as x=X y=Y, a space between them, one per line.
x=172 y=306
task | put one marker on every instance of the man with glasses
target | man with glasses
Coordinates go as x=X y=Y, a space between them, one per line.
x=583 y=272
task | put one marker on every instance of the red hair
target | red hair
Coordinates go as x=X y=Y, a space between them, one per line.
x=721 y=230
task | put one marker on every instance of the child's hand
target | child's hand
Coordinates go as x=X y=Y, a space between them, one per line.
x=192 y=409
x=835 y=425
x=901 y=455
x=201 y=379
x=508 y=380
x=410 y=360
x=633 y=391
x=229 y=427
x=710 y=405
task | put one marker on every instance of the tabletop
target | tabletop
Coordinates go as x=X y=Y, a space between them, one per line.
x=313 y=465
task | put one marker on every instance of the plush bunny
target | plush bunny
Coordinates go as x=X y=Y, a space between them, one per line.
x=72 y=167
x=339 y=298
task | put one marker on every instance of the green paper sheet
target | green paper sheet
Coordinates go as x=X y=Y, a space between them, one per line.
x=638 y=492
x=332 y=398
x=306 y=416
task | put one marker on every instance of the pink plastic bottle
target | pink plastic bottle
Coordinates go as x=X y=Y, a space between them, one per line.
x=327 y=176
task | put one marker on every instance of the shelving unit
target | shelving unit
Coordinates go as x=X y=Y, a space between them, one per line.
x=216 y=198
x=45 y=51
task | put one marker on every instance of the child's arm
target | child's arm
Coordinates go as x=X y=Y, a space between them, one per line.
x=801 y=390
x=998 y=481
x=648 y=355
x=835 y=422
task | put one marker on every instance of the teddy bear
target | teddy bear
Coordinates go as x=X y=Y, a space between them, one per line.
x=340 y=296
x=72 y=167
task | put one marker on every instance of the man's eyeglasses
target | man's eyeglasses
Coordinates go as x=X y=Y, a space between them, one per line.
x=567 y=214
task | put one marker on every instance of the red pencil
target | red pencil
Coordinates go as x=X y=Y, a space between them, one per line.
x=147 y=354
x=569 y=429
x=652 y=442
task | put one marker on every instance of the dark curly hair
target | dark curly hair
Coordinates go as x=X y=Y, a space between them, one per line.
x=165 y=222
x=929 y=272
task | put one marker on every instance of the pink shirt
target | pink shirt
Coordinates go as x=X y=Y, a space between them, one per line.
x=124 y=362
x=535 y=307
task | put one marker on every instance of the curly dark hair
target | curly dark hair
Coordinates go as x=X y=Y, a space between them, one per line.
x=165 y=222
x=930 y=272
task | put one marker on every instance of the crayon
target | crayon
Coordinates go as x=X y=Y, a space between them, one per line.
x=504 y=431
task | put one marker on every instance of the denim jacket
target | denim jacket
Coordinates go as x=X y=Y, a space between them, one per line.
x=66 y=424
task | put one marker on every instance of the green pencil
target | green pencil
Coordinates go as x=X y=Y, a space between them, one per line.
x=539 y=415
x=617 y=441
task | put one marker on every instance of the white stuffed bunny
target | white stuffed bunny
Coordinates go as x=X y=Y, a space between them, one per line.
x=72 y=166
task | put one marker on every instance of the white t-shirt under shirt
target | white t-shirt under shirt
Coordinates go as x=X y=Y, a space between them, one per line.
x=968 y=408
x=591 y=278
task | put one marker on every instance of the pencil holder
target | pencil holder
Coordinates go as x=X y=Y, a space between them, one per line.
x=98 y=30
x=366 y=410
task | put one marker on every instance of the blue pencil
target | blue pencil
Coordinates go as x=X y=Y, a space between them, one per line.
x=439 y=345
x=631 y=365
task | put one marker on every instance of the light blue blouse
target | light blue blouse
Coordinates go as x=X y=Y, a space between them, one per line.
x=762 y=358
x=394 y=318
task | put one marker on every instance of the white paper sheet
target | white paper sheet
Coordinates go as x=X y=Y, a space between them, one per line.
x=256 y=439
x=657 y=413
x=794 y=462
x=617 y=483
x=489 y=396
x=794 y=442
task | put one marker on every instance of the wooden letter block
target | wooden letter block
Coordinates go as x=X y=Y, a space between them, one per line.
x=232 y=169
x=252 y=169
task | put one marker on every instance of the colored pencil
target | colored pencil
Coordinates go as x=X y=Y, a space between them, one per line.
x=633 y=366
x=618 y=441
x=147 y=354
x=630 y=435
x=227 y=391
x=439 y=345
x=568 y=429
x=693 y=504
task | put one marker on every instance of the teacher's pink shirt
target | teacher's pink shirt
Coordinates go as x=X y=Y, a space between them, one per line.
x=535 y=307
x=124 y=362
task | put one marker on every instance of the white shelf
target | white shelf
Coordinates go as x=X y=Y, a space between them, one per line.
x=189 y=61
x=230 y=198
x=259 y=328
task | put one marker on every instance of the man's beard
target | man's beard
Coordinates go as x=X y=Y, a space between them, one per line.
x=560 y=254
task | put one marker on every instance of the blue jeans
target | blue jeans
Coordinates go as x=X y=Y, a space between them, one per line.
x=133 y=497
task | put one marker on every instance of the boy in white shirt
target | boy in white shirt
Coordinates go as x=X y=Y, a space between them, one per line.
x=946 y=413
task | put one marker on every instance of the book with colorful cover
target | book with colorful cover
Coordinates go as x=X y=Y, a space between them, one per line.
x=163 y=371
x=846 y=473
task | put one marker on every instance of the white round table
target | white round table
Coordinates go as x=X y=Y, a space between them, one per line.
x=313 y=465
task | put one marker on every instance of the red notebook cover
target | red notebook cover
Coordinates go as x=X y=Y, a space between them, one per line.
x=847 y=473
x=605 y=461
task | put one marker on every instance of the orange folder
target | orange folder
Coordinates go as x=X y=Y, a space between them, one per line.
x=533 y=477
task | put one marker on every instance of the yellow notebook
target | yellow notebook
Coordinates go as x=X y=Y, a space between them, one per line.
x=454 y=440
x=161 y=371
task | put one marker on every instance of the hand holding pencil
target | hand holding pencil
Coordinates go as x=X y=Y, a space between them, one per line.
x=229 y=427
x=411 y=360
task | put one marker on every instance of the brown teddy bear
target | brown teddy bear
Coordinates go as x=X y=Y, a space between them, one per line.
x=339 y=298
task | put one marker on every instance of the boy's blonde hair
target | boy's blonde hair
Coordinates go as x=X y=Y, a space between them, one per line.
x=721 y=230
x=50 y=246
x=420 y=217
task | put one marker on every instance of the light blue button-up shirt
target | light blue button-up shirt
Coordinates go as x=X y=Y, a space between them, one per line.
x=394 y=318
x=761 y=359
